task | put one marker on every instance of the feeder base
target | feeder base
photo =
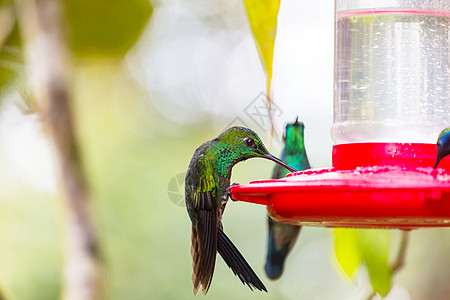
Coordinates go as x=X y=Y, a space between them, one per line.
x=412 y=195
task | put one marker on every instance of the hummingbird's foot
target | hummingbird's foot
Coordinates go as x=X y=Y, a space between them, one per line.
x=228 y=191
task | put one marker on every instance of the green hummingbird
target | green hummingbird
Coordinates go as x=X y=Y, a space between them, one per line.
x=206 y=194
x=443 y=146
x=282 y=237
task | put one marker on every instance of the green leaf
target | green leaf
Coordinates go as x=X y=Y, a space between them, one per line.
x=262 y=16
x=95 y=28
x=11 y=62
x=374 y=245
x=346 y=249
x=105 y=27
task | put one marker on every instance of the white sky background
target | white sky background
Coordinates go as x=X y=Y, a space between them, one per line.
x=198 y=60
x=25 y=151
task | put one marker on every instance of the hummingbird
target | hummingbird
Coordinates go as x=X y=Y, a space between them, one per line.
x=282 y=237
x=206 y=194
x=443 y=146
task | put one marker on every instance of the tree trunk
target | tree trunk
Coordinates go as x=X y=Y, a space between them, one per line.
x=48 y=67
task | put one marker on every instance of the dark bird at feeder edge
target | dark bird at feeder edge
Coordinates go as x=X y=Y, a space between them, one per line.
x=282 y=237
x=206 y=194
x=443 y=146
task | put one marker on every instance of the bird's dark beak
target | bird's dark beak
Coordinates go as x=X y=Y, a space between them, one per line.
x=280 y=162
x=438 y=159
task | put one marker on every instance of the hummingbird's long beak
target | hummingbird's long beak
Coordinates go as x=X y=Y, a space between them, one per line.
x=437 y=163
x=438 y=159
x=280 y=162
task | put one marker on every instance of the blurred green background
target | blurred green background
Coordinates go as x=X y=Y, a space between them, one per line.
x=151 y=82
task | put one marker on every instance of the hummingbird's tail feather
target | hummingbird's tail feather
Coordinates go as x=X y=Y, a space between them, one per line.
x=237 y=263
x=204 y=249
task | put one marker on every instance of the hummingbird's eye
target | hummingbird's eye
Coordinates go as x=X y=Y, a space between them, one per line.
x=250 y=142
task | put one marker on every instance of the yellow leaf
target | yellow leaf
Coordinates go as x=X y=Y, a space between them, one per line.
x=347 y=250
x=262 y=16
x=374 y=244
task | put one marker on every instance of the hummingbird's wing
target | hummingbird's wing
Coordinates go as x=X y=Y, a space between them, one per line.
x=279 y=172
x=204 y=225
x=282 y=238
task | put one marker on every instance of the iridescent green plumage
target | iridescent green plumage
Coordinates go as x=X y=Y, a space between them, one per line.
x=282 y=237
x=206 y=192
x=443 y=146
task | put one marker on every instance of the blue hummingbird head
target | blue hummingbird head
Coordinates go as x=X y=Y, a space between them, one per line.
x=443 y=145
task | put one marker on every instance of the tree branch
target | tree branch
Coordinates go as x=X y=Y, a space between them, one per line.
x=401 y=254
x=48 y=65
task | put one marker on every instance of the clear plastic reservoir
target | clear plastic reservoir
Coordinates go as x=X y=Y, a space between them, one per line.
x=392 y=71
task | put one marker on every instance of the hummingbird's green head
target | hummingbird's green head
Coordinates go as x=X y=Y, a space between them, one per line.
x=443 y=145
x=239 y=143
x=294 y=136
x=244 y=142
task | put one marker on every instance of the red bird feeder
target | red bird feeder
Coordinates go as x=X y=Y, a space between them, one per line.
x=371 y=185
x=392 y=83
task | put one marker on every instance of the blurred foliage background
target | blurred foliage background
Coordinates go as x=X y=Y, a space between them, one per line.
x=152 y=81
